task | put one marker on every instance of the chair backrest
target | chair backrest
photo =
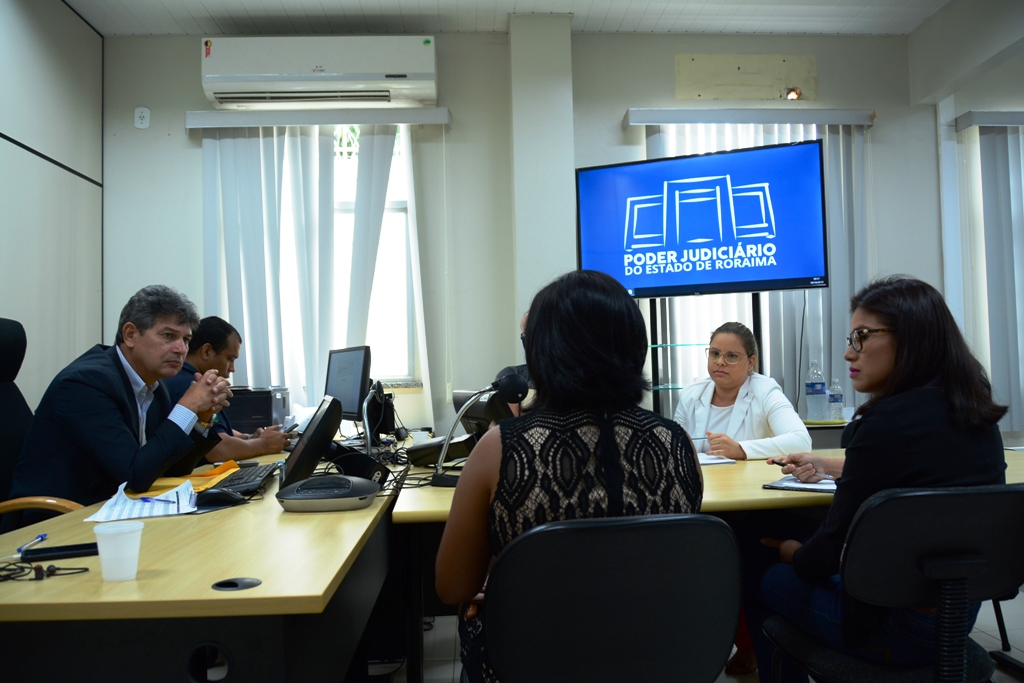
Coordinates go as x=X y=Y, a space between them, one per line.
x=652 y=598
x=15 y=415
x=897 y=532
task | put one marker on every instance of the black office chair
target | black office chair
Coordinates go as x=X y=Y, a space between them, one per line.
x=1000 y=657
x=940 y=548
x=624 y=599
x=15 y=415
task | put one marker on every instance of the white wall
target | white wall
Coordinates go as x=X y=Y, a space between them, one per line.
x=152 y=207
x=616 y=71
x=960 y=43
x=50 y=218
x=1001 y=89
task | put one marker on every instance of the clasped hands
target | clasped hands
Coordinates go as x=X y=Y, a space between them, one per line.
x=725 y=446
x=207 y=396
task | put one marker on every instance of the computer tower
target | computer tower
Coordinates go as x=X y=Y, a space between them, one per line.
x=252 y=409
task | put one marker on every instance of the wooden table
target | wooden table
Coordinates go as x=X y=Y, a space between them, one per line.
x=320 y=574
x=726 y=488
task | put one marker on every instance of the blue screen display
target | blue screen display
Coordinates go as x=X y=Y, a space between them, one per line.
x=742 y=221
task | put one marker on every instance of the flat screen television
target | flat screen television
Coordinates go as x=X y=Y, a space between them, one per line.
x=748 y=220
x=348 y=379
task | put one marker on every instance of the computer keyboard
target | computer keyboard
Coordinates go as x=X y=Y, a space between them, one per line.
x=247 y=475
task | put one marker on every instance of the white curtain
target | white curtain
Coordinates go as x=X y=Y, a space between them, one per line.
x=992 y=186
x=376 y=147
x=243 y=193
x=798 y=326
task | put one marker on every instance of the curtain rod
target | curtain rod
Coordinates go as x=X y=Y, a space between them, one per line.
x=989 y=118
x=830 y=117
x=317 y=117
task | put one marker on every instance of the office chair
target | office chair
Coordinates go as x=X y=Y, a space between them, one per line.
x=940 y=548
x=1000 y=657
x=622 y=599
x=15 y=414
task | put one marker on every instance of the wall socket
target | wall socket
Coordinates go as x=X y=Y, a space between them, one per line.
x=142 y=117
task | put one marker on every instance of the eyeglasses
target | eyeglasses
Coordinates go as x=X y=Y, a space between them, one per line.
x=855 y=340
x=731 y=357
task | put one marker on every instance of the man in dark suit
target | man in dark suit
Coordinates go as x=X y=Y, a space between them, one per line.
x=106 y=419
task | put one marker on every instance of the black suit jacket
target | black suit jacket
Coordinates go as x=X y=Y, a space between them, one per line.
x=83 y=442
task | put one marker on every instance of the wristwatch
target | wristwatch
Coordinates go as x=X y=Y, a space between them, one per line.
x=205 y=425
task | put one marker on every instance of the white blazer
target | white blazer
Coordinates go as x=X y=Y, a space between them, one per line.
x=763 y=421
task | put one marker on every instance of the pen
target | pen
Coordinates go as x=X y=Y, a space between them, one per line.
x=146 y=499
x=817 y=474
x=38 y=539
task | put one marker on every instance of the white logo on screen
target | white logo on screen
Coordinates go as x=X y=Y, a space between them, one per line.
x=697 y=211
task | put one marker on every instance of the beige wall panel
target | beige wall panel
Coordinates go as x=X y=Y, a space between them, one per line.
x=51 y=83
x=745 y=77
x=50 y=239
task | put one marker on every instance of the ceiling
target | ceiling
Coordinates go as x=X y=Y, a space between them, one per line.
x=310 y=17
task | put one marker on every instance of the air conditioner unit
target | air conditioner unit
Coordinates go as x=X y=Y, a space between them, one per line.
x=326 y=72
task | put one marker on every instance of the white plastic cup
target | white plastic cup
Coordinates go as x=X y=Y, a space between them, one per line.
x=119 y=549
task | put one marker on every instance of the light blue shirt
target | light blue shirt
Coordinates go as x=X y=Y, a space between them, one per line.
x=180 y=415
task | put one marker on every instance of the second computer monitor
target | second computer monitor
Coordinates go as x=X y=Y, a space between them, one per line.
x=348 y=379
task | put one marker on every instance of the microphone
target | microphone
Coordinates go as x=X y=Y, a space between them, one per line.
x=511 y=389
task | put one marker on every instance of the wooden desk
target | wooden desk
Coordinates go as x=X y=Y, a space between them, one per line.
x=726 y=488
x=320 y=573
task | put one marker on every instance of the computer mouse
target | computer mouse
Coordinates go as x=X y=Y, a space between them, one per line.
x=214 y=498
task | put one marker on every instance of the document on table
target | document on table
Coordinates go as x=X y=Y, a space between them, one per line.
x=707 y=459
x=178 y=501
x=791 y=483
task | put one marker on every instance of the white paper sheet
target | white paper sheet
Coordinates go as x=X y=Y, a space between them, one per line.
x=178 y=501
x=706 y=459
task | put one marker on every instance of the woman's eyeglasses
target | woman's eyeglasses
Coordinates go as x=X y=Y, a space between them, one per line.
x=855 y=340
x=731 y=357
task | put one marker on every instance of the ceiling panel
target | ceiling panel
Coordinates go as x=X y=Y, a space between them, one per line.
x=312 y=17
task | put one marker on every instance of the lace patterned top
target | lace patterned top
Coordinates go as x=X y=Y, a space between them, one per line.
x=556 y=466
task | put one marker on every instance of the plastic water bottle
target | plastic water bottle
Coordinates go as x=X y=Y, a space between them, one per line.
x=817 y=399
x=835 y=401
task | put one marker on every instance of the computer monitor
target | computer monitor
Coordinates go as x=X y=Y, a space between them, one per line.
x=478 y=418
x=348 y=379
x=314 y=442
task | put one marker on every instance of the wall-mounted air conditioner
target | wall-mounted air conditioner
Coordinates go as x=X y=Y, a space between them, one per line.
x=326 y=72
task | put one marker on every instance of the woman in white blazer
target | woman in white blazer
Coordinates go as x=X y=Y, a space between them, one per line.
x=742 y=414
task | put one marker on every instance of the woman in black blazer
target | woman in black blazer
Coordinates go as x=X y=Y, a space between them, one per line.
x=930 y=422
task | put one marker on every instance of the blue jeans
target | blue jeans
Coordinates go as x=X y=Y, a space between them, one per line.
x=905 y=639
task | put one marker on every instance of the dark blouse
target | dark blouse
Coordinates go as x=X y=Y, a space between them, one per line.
x=907 y=441
x=551 y=470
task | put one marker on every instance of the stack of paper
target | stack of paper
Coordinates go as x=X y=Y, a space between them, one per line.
x=178 y=501
x=707 y=459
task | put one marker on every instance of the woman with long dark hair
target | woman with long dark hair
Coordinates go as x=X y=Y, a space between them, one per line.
x=583 y=450
x=930 y=422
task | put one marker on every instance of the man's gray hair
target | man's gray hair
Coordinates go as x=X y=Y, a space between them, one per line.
x=153 y=302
